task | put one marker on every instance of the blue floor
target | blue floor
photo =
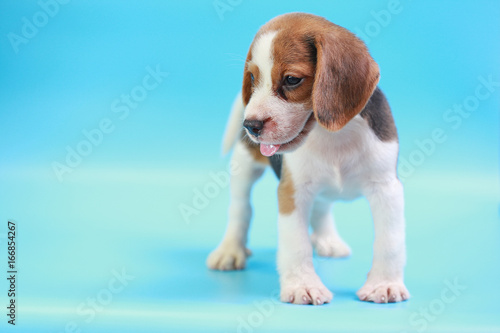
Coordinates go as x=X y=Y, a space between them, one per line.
x=75 y=239
x=103 y=246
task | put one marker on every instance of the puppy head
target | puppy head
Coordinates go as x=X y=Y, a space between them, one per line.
x=301 y=69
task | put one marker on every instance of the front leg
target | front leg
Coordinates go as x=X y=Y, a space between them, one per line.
x=231 y=254
x=385 y=279
x=299 y=282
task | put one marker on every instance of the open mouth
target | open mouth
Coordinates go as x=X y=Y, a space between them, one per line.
x=271 y=149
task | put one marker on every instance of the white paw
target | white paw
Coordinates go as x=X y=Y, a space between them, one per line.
x=330 y=246
x=305 y=290
x=383 y=292
x=228 y=256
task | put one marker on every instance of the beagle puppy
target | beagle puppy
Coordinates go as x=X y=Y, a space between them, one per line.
x=310 y=108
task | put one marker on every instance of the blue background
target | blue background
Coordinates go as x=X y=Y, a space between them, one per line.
x=118 y=210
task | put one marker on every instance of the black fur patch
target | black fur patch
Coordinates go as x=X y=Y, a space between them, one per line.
x=377 y=113
x=276 y=163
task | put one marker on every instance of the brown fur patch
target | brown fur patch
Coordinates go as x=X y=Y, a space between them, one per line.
x=286 y=192
x=339 y=73
x=293 y=57
x=254 y=69
x=346 y=77
x=247 y=89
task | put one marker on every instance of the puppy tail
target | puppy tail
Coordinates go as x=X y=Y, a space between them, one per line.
x=234 y=125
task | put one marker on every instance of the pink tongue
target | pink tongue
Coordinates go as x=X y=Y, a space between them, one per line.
x=269 y=150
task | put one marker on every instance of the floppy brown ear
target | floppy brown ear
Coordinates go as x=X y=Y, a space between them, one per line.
x=346 y=76
x=246 y=90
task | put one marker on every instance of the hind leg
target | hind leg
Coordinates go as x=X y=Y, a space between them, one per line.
x=231 y=253
x=325 y=237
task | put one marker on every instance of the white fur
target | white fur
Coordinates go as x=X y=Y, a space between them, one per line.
x=299 y=282
x=288 y=118
x=328 y=166
x=232 y=252
x=345 y=165
x=262 y=56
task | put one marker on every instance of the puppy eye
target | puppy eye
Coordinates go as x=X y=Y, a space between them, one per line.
x=252 y=78
x=291 y=81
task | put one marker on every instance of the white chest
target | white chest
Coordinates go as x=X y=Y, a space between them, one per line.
x=342 y=165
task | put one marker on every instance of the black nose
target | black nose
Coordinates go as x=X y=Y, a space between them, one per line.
x=254 y=126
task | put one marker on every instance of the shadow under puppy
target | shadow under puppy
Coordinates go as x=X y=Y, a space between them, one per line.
x=311 y=108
